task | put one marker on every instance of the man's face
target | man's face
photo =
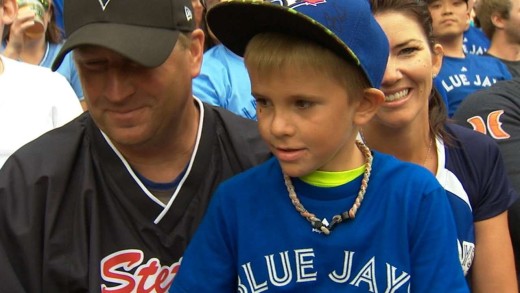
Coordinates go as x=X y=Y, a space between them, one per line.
x=450 y=17
x=135 y=105
x=512 y=24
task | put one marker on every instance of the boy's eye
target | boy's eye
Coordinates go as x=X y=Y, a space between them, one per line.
x=303 y=104
x=460 y=2
x=261 y=102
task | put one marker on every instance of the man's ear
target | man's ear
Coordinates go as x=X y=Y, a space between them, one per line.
x=497 y=20
x=10 y=11
x=196 y=51
x=369 y=105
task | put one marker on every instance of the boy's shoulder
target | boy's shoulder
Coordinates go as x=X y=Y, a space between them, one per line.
x=260 y=175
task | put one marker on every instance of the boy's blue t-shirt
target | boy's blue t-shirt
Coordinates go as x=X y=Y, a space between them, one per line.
x=252 y=239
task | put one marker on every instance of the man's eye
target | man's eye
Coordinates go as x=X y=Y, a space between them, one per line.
x=94 y=65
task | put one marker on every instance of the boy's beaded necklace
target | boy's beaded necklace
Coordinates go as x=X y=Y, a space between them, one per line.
x=350 y=214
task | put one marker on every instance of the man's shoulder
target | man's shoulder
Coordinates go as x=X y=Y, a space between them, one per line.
x=470 y=141
x=505 y=88
x=234 y=124
x=486 y=62
x=57 y=145
x=240 y=132
x=501 y=97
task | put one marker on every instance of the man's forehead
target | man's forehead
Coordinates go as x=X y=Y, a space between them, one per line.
x=98 y=51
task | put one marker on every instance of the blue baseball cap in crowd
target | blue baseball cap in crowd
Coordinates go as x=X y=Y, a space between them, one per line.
x=144 y=31
x=346 y=27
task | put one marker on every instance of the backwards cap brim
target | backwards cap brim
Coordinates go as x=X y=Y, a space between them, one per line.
x=235 y=23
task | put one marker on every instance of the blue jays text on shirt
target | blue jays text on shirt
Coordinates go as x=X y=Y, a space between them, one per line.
x=461 y=80
x=473 y=49
x=297 y=266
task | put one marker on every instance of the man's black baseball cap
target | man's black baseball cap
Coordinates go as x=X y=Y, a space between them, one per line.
x=144 y=31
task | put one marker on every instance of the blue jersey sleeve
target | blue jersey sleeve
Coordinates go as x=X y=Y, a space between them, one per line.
x=211 y=264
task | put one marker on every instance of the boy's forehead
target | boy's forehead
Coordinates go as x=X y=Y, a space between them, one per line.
x=444 y=1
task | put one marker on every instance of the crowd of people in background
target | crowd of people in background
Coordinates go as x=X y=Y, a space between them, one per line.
x=128 y=125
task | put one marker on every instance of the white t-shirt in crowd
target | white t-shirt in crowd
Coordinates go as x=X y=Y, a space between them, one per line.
x=33 y=100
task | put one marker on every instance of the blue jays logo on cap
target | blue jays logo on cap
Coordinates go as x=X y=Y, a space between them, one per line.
x=346 y=27
x=104 y=3
x=309 y=2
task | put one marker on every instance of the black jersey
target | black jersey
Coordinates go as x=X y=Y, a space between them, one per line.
x=74 y=219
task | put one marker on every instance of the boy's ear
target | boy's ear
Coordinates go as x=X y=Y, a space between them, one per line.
x=368 y=106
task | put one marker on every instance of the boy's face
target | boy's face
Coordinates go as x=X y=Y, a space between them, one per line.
x=307 y=119
x=450 y=17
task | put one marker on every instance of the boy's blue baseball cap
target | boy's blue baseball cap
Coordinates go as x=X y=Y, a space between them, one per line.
x=346 y=27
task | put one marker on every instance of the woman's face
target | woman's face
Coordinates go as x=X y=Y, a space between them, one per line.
x=407 y=82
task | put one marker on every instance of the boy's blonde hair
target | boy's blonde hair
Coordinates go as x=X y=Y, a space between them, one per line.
x=268 y=52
